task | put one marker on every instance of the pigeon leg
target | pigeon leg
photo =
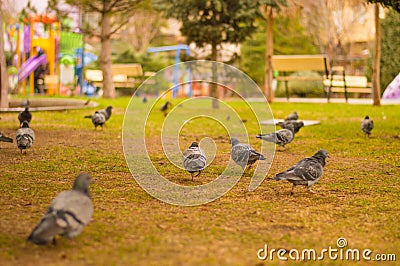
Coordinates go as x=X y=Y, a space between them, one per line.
x=292 y=191
x=198 y=174
x=192 y=176
x=312 y=192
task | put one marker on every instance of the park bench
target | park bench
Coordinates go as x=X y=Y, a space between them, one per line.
x=346 y=84
x=124 y=76
x=286 y=64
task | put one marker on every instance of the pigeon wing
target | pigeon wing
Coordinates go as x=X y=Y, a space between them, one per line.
x=194 y=159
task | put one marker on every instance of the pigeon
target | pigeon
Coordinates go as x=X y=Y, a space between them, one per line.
x=100 y=116
x=306 y=172
x=292 y=116
x=144 y=99
x=5 y=139
x=244 y=154
x=367 y=125
x=25 y=136
x=25 y=115
x=296 y=125
x=280 y=137
x=164 y=108
x=69 y=212
x=194 y=159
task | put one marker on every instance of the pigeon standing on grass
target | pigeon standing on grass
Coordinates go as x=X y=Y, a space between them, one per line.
x=367 y=125
x=292 y=116
x=306 y=172
x=100 y=116
x=296 y=125
x=5 y=139
x=164 y=108
x=280 y=137
x=194 y=159
x=25 y=136
x=69 y=212
x=244 y=154
x=25 y=115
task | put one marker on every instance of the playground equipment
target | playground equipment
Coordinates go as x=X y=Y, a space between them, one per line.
x=44 y=44
x=177 y=49
x=42 y=50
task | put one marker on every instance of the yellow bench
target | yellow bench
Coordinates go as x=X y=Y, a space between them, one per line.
x=124 y=75
x=346 y=84
x=294 y=63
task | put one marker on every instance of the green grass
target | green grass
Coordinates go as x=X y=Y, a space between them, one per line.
x=357 y=198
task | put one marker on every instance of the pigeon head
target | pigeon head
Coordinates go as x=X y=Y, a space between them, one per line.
x=82 y=183
x=194 y=144
x=321 y=155
x=366 y=117
x=25 y=124
x=109 y=109
x=234 y=141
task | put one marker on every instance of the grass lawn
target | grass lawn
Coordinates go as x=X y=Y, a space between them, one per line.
x=357 y=198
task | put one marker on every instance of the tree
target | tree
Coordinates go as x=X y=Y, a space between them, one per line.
x=146 y=23
x=395 y=4
x=269 y=7
x=390 y=56
x=290 y=37
x=113 y=15
x=212 y=22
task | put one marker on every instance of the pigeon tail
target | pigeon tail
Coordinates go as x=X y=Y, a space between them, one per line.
x=87 y=116
x=5 y=139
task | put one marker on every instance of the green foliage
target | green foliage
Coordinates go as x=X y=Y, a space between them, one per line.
x=212 y=22
x=289 y=38
x=395 y=4
x=390 y=50
x=149 y=62
x=302 y=88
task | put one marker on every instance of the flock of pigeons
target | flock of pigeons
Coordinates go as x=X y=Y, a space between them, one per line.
x=70 y=211
x=306 y=172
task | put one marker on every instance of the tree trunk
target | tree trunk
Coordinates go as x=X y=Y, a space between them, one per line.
x=105 y=57
x=214 y=86
x=3 y=68
x=376 y=63
x=268 y=55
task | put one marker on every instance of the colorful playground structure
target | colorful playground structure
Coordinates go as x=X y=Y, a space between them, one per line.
x=49 y=59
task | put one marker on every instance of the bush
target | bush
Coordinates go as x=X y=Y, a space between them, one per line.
x=304 y=89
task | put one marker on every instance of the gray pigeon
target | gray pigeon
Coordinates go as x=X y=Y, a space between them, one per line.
x=296 y=125
x=280 y=137
x=244 y=154
x=367 y=125
x=292 y=116
x=69 y=212
x=25 y=137
x=306 y=172
x=194 y=159
x=25 y=115
x=4 y=138
x=100 y=116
